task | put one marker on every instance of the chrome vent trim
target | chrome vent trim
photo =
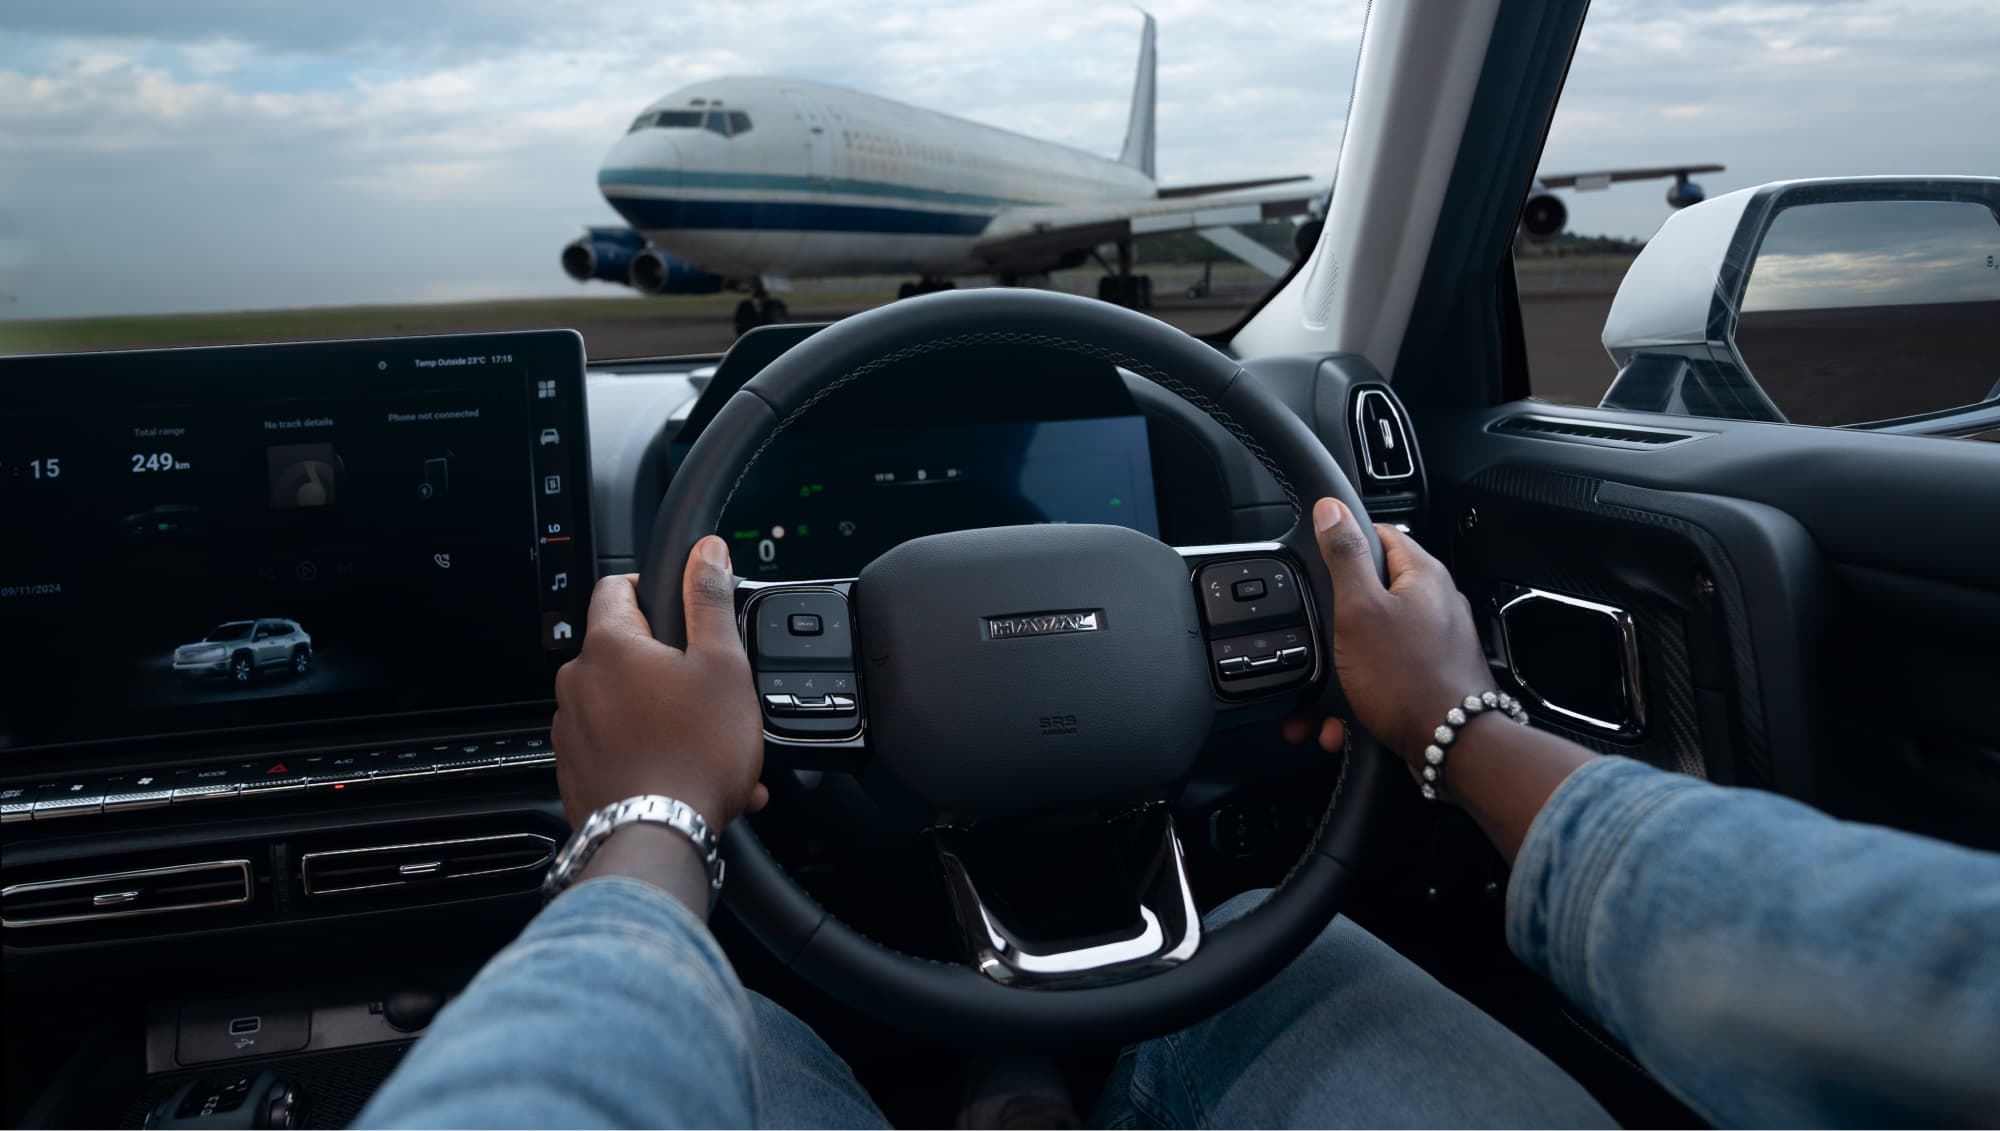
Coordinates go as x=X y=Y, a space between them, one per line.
x=344 y=871
x=1382 y=438
x=124 y=895
x=1571 y=430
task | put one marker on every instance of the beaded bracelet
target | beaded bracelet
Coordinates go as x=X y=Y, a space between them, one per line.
x=1447 y=732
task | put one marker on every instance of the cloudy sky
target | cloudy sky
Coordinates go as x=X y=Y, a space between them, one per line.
x=218 y=154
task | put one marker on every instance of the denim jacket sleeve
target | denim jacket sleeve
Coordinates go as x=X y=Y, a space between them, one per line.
x=615 y=1008
x=1769 y=964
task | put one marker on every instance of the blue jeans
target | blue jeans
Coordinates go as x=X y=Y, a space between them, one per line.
x=1350 y=1035
x=1770 y=965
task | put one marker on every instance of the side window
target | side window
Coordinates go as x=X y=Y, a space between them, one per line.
x=718 y=122
x=265 y=631
x=739 y=122
x=1773 y=282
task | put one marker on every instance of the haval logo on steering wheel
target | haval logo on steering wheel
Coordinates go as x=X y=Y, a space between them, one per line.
x=1044 y=624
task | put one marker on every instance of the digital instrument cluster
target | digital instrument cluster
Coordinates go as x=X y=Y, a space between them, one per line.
x=825 y=504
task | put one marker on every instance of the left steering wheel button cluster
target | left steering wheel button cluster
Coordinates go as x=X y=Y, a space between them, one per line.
x=803 y=643
x=802 y=628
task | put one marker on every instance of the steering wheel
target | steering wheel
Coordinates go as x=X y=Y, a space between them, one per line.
x=1008 y=671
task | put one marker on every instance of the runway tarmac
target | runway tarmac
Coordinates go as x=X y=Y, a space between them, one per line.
x=1563 y=315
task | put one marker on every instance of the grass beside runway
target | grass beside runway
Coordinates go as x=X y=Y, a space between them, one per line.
x=320 y=323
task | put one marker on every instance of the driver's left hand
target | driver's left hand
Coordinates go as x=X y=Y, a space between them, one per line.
x=634 y=716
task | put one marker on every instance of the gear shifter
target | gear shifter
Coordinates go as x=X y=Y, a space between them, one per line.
x=408 y=1011
x=250 y=1100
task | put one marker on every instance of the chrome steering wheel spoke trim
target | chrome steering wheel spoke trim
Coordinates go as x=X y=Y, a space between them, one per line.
x=1167 y=931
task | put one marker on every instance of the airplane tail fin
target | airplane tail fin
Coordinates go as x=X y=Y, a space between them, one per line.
x=1138 y=151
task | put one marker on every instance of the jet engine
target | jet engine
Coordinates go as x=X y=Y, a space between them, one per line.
x=657 y=273
x=602 y=253
x=1684 y=192
x=1544 y=215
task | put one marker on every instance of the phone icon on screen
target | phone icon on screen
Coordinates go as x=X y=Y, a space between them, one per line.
x=443 y=560
x=437 y=479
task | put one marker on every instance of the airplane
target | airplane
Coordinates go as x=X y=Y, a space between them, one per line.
x=1544 y=214
x=745 y=183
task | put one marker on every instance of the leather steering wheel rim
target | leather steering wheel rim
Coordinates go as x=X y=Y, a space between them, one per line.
x=954 y=1003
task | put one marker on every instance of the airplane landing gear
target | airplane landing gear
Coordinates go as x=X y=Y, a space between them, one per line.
x=924 y=287
x=1122 y=287
x=1135 y=291
x=761 y=310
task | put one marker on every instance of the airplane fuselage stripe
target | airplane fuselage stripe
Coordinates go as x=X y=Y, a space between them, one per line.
x=610 y=179
x=652 y=214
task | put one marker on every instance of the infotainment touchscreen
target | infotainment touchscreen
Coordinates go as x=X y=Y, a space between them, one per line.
x=287 y=535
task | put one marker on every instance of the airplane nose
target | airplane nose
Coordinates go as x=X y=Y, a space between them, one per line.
x=641 y=159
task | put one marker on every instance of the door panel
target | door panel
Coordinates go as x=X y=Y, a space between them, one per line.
x=1817 y=612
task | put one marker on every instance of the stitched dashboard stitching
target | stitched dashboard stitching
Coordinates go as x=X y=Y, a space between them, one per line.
x=1016 y=338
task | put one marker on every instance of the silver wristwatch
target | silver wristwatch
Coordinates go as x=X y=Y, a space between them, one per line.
x=651 y=809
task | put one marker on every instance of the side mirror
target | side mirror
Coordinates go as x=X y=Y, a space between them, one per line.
x=1867 y=302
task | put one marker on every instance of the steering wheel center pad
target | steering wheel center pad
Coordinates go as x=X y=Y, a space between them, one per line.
x=954 y=1003
x=1033 y=667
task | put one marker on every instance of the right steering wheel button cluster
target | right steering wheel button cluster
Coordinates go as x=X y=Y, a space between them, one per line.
x=1258 y=637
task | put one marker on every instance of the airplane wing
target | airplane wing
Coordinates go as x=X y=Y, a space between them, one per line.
x=1037 y=234
x=1584 y=182
x=1229 y=186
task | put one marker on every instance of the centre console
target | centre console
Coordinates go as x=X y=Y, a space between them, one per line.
x=272 y=592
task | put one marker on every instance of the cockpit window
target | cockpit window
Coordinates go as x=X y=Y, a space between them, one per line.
x=739 y=122
x=718 y=121
x=668 y=120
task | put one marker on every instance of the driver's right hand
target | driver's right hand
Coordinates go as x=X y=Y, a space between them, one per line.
x=1405 y=653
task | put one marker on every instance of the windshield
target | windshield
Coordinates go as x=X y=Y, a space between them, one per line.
x=210 y=172
x=235 y=630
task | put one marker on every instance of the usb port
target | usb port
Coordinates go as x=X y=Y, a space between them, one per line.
x=244 y=1026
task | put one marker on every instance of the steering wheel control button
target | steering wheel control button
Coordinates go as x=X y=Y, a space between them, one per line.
x=1249 y=593
x=817 y=705
x=1263 y=661
x=800 y=629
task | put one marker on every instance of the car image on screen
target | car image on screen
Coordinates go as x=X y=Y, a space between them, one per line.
x=239 y=649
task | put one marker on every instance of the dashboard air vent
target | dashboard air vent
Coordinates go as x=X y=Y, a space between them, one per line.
x=122 y=895
x=1381 y=438
x=1592 y=432
x=379 y=868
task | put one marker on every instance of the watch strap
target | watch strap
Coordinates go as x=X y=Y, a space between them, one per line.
x=651 y=809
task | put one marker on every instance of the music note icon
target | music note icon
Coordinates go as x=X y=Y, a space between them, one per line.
x=561 y=581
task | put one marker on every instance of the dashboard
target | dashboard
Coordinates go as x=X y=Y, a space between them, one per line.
x=283 y=624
